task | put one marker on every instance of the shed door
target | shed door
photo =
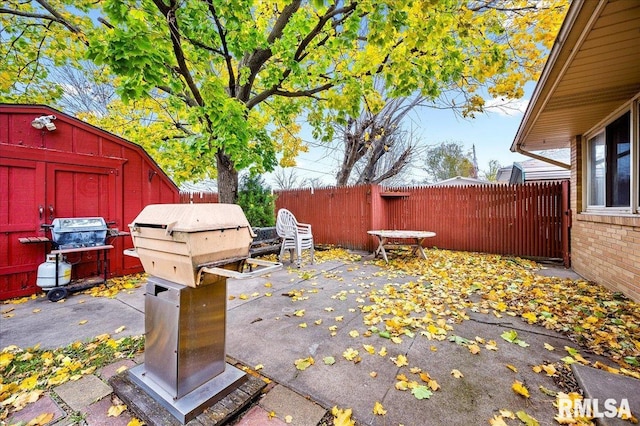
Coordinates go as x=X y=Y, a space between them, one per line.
x=79 y=191
x=22 y=196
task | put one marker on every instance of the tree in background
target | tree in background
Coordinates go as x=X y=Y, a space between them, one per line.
x=448 y=160
x=375 y=145
x=240 y=74
x=256 y=200
x=491 y=174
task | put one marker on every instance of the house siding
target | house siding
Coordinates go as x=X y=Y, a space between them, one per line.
x=604 y=249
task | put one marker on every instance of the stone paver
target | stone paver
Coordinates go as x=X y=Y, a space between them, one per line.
x=97 y=414
x=258 y=416
x=44 y=405
x=81 y=393
x=284 y=402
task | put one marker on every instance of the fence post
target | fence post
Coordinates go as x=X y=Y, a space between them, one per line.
x=566 y=224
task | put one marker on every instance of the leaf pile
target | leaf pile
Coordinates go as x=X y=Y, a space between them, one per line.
x=25 y=374
x=115 y=285
x=602 y=321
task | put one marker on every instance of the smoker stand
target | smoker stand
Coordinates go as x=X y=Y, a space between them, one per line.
x=185 y=369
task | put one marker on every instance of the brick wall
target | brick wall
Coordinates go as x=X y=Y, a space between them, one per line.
x=604 y=249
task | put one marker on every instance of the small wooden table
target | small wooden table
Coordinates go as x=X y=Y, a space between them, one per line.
x=384 y=235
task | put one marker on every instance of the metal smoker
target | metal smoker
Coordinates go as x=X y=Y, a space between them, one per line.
x=189 y=251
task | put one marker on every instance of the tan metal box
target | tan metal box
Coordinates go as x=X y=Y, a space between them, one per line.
x=173 y=241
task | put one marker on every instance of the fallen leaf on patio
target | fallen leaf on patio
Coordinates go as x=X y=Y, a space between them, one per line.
x=243 y=297
x=258 y=367
x=271 y=415
x=512 y=337
x=29 y=383
x=378 y=409
x=339 y=318
x=548 y=347
x=119 y=330
x=520 y=389
x=342 y=417
x=318 y=322
x=530 y=316
x=474 y=349
x=354 y=333
x=456 y=373
x=373 y=374
x=370 y=349
x=527 y=419
x=350 y=354
x=491 y=346
x=433 y=385
x=303 y=363
x=83 y=322
x=382 y=351
x=116 y=410
x=299 y=313
x=41 y=420
x=421 y=392
x=135 y=422
x=35 y=311
x=328 y=309
x=400 y=360
x=288 y=419
x=268 y=285
x=497 y=421
x=329 y=360
x=302 y=325
x=507 y=414
x=402 y=385
x=548 y=392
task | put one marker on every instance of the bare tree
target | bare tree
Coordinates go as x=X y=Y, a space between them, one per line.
x=376 y=146
x=285 y=178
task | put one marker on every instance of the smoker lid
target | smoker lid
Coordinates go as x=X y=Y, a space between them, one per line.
x=192 y=217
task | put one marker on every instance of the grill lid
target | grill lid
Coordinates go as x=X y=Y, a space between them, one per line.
x=196 y=218
x=75 y=232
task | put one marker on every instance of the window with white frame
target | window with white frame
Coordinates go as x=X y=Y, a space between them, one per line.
x=609 y=167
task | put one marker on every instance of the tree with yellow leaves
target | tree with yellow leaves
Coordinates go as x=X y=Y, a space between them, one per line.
x=245 y=72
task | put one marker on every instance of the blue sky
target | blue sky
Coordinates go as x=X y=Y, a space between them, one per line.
x=491 y=132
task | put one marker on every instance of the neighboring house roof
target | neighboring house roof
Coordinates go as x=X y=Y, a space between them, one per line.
x=592 y=70
x=460 y=181
x=532 y=171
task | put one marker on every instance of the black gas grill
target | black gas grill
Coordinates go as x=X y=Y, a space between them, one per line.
x=78 y=232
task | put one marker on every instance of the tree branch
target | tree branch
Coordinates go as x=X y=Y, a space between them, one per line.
x=225 y=49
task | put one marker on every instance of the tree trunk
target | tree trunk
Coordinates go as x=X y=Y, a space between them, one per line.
x=227 y=179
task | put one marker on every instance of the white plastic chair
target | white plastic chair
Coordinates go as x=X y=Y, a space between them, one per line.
x=295 y=236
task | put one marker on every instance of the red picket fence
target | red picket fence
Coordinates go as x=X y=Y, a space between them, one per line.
x=529 y=220
x=524 y=220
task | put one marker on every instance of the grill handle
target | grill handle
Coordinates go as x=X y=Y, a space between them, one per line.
x=267 y=267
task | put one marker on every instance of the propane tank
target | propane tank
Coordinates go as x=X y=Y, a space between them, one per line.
x=47 y=272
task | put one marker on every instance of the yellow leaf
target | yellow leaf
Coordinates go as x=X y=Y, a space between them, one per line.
x=42 y=419
x=512 y=368
x=35 y=311
x=536 y=368
x=350 y=354
x=354 y=333
x=243 y=297
x=378 y=409
x=135 y=422
x=271 y=415
x=548 y=347
x=530 y=316
x=29 y=383
x=299 y=313
x=400 y=361
x=497 y=421
x=402 y=385
x=302 y=325
x=5 y=359
x=342 y=417
x=457 y=374
x=425 y=377
x=396 y=339
x=382 y=351
x=373 y=374
x=116 y=410
x=83 y=322
x=121 y=369
x=520 y=389
x=318 y=322
x=340 y=318
x=369 y=349
x=258 y=367
x=119 y=329
x=288 y=419
x=433 y=385
x=549 y=369
x=474 y=349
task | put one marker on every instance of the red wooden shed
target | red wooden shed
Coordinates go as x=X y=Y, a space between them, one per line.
x=70 y=169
